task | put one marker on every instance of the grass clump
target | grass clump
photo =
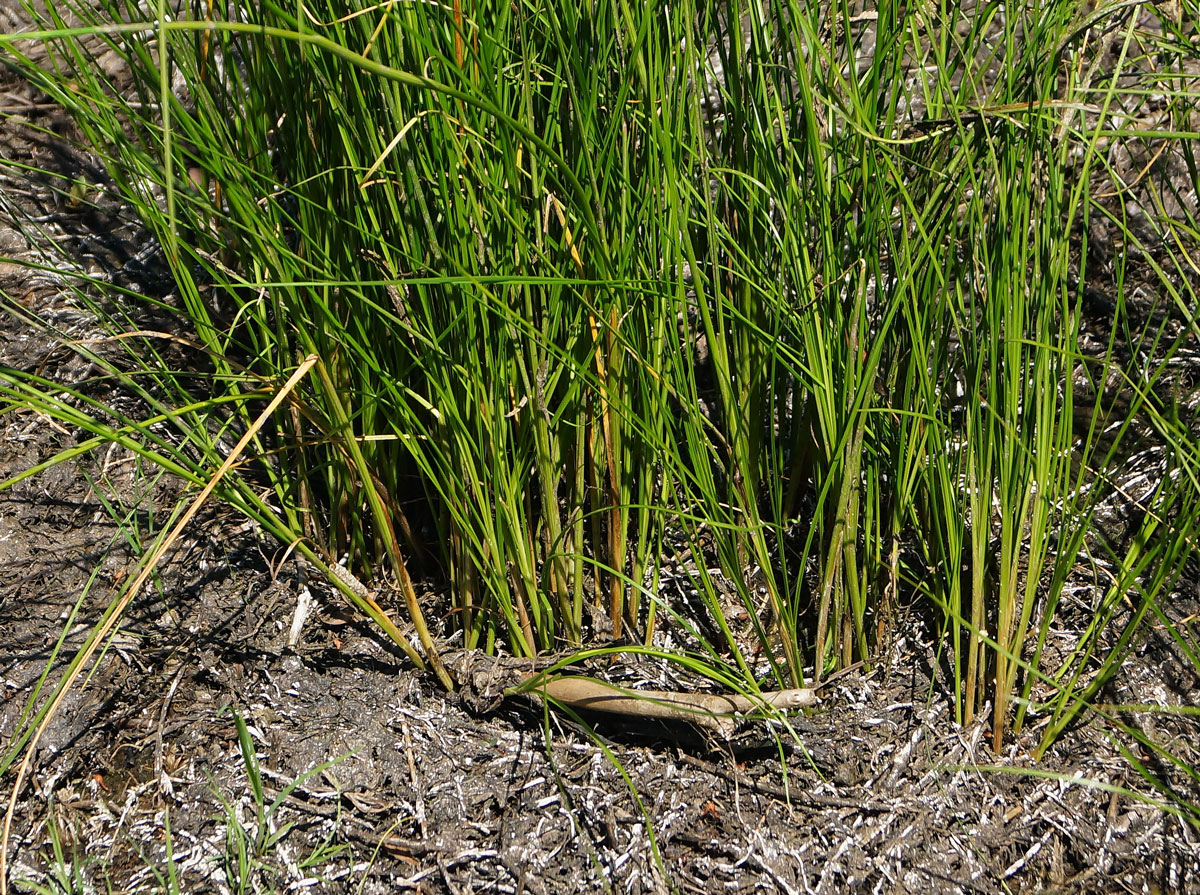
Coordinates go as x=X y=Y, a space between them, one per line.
x=803 y=287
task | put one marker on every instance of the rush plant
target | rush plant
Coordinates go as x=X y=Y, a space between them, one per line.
x=800 y=287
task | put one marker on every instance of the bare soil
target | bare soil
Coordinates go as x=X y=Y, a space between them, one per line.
x=405 y=787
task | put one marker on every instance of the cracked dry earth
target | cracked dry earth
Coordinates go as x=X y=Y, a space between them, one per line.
x=378 y=781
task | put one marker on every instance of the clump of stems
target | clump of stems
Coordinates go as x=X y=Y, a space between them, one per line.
x=797 y=285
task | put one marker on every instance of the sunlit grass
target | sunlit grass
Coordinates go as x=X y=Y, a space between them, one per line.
x=800 y=286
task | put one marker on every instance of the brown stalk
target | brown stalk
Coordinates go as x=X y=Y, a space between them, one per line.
x=720 y=712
